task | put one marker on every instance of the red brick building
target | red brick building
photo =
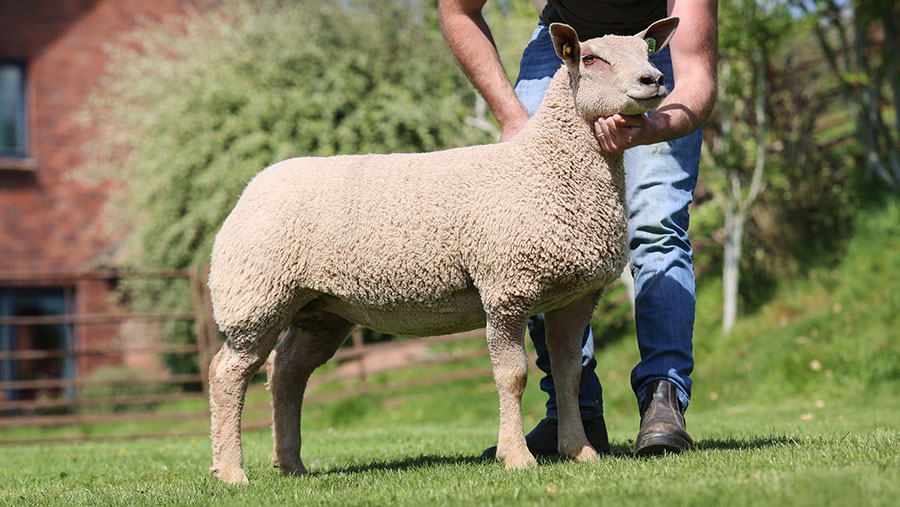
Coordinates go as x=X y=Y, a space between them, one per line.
x=51 y=55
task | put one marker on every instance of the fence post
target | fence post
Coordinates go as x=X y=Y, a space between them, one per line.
x=360 y=350
x=200 y=324
x=212 y=331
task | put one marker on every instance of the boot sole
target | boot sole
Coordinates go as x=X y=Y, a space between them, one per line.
x=657 y=445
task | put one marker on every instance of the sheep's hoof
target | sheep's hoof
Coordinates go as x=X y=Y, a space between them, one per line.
x=519 y=461
x=231 y=475
x=584 y=454
x=293 y=470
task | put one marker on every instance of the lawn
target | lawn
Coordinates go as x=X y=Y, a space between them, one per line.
x=795 y=452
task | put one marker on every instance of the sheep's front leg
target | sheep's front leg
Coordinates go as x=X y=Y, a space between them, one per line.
x=565 y=328
x=505 y=337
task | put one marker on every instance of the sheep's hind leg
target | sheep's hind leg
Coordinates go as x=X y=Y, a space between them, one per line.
x=565 y=328
x=307 y=345
x=505 y=337
x=229 y=374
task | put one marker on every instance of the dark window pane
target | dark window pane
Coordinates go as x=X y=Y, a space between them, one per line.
x=12 y=110
x=43 y=301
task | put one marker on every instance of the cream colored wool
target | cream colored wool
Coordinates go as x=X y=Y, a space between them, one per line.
x=428 y=244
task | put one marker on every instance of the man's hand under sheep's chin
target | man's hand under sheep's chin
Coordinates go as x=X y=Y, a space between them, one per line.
x=622 y=131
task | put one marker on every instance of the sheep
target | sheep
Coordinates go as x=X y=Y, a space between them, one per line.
x=433 y=243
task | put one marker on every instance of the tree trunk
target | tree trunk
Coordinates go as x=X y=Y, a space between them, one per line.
x=850 y=57
x=890 y=55
x=739 y=206
x=734 y=233
x=627 y=279
x=869 y=106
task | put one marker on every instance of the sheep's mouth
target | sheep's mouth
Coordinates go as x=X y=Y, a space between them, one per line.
x=647 y=97
x=641 y=103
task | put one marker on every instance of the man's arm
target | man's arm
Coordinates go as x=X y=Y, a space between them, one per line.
x=470 y=40
x=694 y=48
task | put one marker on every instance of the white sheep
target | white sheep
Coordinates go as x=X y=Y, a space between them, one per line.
x=433 y=243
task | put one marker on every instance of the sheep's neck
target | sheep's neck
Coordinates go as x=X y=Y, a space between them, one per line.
x=561 y=138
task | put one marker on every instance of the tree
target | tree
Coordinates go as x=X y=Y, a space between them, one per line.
x=195 y=106
x=860 y=41
x=750 y=32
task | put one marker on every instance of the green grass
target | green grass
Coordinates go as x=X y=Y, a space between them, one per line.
x=798 y=406
x=785 y=453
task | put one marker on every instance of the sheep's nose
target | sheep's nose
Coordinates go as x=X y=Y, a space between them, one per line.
x=648 y=79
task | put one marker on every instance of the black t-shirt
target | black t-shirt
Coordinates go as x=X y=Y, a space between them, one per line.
x=595 y=18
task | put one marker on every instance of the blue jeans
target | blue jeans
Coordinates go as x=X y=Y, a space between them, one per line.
x=659 y=186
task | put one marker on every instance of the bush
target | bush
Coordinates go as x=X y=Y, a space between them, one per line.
x=195 y=106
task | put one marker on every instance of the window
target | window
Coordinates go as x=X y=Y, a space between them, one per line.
x=52 y=339
x=12 y=110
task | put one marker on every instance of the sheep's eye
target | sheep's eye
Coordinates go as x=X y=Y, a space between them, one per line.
x=592 y=59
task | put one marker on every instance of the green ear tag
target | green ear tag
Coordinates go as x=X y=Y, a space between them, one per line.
x=566 y=50
x=651 y=44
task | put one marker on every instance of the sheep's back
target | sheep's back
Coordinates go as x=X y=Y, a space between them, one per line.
x=373 y=230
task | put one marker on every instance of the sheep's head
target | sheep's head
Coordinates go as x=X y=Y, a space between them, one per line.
x=613 y=74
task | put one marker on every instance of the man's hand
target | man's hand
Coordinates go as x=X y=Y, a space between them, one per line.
x=690 y=102
x=620 y=132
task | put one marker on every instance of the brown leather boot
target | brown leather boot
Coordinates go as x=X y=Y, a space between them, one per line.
x=662 y=423
x=542 y=439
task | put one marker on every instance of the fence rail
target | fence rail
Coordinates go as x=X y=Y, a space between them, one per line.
x=24 y=385
x=63 y=353
x=61 y=400
x=98 y=402
x=98 y=274
x=45 y=320
x=68 y=406
x=356 y=354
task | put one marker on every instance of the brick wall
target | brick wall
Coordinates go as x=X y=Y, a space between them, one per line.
x=48 y=221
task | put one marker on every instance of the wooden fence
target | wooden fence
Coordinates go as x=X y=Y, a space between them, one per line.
x=77 y=409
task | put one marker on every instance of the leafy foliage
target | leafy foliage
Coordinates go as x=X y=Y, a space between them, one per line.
x=859 y=41
x=813 y=181
x=195 y=106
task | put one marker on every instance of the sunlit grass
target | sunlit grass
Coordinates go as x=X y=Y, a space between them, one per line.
x=744 y=455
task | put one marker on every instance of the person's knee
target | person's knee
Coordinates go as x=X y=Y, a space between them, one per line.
x=660 y=248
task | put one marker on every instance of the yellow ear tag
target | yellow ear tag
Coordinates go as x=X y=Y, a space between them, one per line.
x=566 y=50
x=651 y=45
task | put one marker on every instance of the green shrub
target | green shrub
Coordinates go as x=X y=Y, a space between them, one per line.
x=195 y=106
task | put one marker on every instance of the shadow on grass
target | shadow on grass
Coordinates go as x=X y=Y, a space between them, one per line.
x=403 y=464
x=745 y=443
x=721 y=444
x=617 y=451
x=728 y=444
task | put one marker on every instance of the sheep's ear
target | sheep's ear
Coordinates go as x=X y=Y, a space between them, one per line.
x=565 y=40
x=659 y=34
